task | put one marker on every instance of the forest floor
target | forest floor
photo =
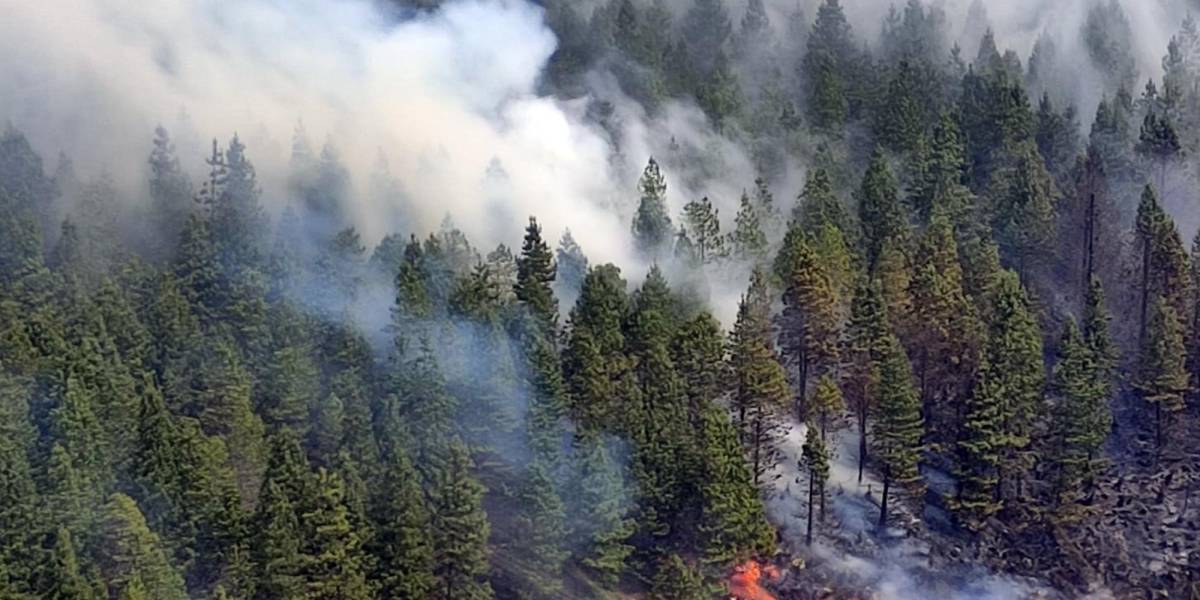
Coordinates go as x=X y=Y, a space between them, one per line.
x=851 y=558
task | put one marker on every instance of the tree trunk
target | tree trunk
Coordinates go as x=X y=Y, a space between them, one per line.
x=862 y=439
x=812 y=481
x=883 y=502
x=1145 y=289
x=1089 y=246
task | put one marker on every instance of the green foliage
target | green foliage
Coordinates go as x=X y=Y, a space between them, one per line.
x=652 y=230
x=899 y=427
x=133 y=556
x=675 y=579
x=460 y=530
x=1162 y=377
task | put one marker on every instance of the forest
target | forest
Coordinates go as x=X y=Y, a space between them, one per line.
x=830 y=306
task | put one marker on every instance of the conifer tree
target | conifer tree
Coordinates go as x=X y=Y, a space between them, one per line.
x=542 y=522
x=825 y=68
x=402 y=545
x=944 y=331
x=809 y=324
x=866 y=333
x=827 y=402
x=899 y=427
x=732 y=523
x=760 y=389
x=460 y=530
x=818 y=206
x=879 y=210
x=675 y=579
x=699 y=355
x=62 y=579
x=276 y=546
x=704 y=230
x=535 y=275
x=748 y=240
x=652 y=228
x=1159 y=143
x=1000 y=414
x=331 y=560
x=815 y=460
x=1162 y=378
x=133 y=553
x=1023 y=201
x=595 y=367
x=599 y=502
x=571 y=266
x=1082 y=418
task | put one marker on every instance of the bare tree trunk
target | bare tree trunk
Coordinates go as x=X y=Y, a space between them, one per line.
x=812 y=481
x=883 y=502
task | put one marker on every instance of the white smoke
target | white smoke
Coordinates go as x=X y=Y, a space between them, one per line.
x=442 y=96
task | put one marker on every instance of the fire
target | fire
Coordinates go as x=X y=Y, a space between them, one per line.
x=743 y=583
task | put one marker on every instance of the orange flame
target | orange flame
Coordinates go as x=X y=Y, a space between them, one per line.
x=743 y=583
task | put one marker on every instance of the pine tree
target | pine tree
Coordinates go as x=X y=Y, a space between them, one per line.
x=571 y=267
x=599 y=503
x=542 y=521
x=276 y=545
x=819 y=206
x=999 y=421
x=460 y=530
x=699 y=355
x=944 y=333
x=899 y=121
x=133 y=553
x=760 y=389
x=748 y=240
x=809 y=324
x=1081 y=417
x=1162 y=377
x=170 y=192
x=332 y=561
x=825 y=68
x=535 y=275
x=652 y=228
x=62 y=579
x=732 y=524
x=675 y=579
x=1023 y=206
x=899 y=427
x=1159 y=143
x=815 y=460
x=595 y=367
x=827 y=402
x=402 y=544
x=704 y=230
x=879 y=210
x=866 y=333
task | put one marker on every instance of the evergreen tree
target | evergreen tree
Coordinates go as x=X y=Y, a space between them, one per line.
x=331 y=560
x=824 y=69
x=599 y=502
x=733 y=525
x=1162 y=377
x=595 y=367
x=1082 y=417
x=675 y=579
x=815 y=460
x=402 y=544
x=748 y=240
x=571 y=267
x=460 y=530
x=170 y=192
x=535 y=276
x=276 y=546
x=999 y=420
x=652 y=229
x=132 y=553
x=866 y=333
x=542 y=522
x=879 y=209
x=899 y=427
x=760 y=387
x=1159 y=143
x=809 y=324
x=62 y=578
x=704 y=230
